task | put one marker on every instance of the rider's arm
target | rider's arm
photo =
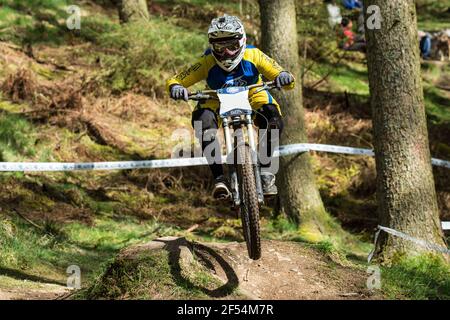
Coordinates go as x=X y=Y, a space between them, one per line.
x=190 y=76
x=268 y=67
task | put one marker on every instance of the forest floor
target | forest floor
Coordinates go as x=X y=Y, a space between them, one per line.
x=286 y=270
x=98 y=95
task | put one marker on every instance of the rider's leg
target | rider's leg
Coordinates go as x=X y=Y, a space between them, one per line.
x=270 y=124
x=205 y=124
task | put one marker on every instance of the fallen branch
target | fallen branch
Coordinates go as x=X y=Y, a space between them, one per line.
x=192 y=228
x=28 y=220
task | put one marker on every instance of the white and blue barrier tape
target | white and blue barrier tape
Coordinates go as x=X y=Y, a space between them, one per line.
x=113 y=165
x=445 y=225
x=419 y=242
x=181 y=162
x=198 y=161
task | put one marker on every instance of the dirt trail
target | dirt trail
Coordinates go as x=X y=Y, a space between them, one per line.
x=288 y=270
x=42 y=291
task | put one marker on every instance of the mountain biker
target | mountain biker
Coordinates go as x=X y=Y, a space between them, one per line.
x=231 y=62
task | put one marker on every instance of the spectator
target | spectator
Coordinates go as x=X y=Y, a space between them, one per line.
x=440 y=45
x=352 y=4
x=425 y=44
x=334 y=13
x=349 y=41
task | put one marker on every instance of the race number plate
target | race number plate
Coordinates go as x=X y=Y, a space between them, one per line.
x=234 y=101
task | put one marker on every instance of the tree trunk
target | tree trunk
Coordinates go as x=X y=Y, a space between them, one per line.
x=405 y=186
x=133 y=10
x=299 y=196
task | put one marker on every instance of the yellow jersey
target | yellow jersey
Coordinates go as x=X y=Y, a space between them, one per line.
x=254 y=65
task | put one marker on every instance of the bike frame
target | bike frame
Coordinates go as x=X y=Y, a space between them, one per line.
x=237 y=119
x=238 y=123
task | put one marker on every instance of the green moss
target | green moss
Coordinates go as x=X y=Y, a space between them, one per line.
x=226 y=232
x=12 y=107
x=310 y=231
x=326 y=247
x=43 y=72
x=281 y=225
x=337 y=180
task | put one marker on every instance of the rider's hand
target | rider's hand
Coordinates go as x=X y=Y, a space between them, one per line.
x=283 y=79
x=178 y=92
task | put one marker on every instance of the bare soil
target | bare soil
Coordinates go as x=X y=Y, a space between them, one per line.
x=38 y=292
x=289 y=270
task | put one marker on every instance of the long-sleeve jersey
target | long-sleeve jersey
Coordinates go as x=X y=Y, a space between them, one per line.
x=250 y=70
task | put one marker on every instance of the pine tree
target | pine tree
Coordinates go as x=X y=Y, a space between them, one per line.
x=405 y=186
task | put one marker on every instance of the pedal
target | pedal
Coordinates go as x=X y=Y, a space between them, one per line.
x=221 y=193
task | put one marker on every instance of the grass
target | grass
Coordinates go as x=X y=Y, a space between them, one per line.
x=138 y=58
x=144 y=59
x=153 y=275
x=150 y=56
x=433 y=15
x=422 y=277
x=437 y=105
x=44 y=255
x=17 y=137
x=111 y=234
x=205 y=5
x=33 y=21
x=338 y=242
x=350 y=78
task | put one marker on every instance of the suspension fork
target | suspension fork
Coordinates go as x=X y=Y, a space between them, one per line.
x=254 y=155
x=230 y=162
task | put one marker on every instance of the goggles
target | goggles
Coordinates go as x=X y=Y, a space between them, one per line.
x=229 y=47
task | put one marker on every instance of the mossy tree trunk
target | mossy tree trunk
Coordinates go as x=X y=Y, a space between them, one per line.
x=133 y=10
x=299 y=196
x=405 y=185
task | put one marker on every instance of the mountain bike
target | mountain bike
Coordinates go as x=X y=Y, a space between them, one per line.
x=247 y=195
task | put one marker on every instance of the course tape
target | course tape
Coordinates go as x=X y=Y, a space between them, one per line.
x=181 y=162
x=445 y=225
x=419 y=242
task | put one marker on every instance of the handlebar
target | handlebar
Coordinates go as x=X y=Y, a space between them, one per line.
x=210 y=94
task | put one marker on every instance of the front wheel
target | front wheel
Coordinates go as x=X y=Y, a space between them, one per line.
x=249 y=207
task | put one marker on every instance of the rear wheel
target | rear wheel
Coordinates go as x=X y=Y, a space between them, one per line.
x=249 y=207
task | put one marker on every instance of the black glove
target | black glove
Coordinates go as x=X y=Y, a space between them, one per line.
x=284 y=79
x=178 y=92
